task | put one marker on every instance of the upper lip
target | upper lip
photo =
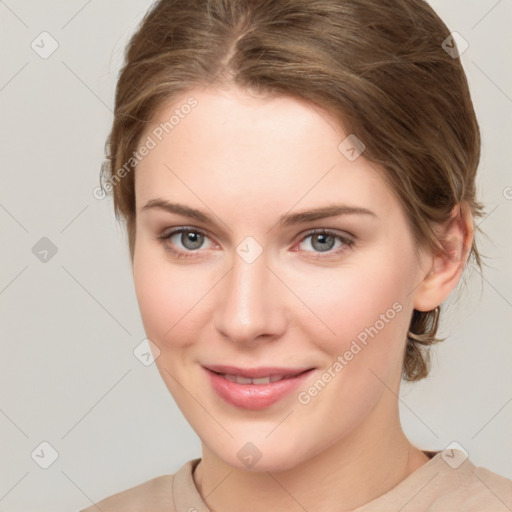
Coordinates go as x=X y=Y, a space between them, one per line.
x=254 y=373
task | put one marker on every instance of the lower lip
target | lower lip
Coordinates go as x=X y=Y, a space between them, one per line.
x=255 y=396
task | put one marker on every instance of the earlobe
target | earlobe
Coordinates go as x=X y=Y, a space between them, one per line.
x=448 y=262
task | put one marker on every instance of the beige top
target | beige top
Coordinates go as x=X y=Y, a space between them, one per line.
x=448 y=482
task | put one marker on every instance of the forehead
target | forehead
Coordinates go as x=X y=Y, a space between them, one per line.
x=228 y=119
x=253 y=150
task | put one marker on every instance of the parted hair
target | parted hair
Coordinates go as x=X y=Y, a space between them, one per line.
x=379 y=66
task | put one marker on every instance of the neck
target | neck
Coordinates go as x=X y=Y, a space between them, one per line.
x=372 y=460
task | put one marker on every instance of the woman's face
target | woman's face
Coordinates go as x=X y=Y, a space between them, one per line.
x=249 y=284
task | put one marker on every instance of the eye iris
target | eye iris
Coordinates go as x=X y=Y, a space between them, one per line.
x=192 y=240
x=326 y=241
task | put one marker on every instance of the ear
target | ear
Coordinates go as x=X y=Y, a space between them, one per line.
x=447 y=263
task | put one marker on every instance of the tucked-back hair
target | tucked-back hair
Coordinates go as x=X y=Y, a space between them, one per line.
x=377 y=65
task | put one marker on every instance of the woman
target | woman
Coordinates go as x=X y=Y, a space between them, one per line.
x=297 y=180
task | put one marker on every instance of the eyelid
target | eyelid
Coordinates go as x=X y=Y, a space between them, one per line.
x=347 y=239
x=330 y=231
x=168 y=234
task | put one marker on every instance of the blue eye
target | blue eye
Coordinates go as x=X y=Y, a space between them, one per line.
x=192 y=241
x=323 y=241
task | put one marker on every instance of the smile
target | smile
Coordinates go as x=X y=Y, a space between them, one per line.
x=255 y=392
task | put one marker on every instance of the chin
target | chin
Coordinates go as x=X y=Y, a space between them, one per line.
x=260 y=456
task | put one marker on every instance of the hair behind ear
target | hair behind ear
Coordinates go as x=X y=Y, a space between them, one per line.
x=421 y=336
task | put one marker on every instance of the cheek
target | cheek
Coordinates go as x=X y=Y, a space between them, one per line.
x=165 y=295
x=167 y=299
x=357 y=305
x=367 y=310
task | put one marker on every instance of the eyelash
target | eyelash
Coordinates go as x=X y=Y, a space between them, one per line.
x=346 y=241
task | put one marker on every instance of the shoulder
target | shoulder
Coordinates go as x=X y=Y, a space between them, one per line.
x=449 y=481
x=164 y=493
x=154 y=495
x=482 y=489
x=453 y=482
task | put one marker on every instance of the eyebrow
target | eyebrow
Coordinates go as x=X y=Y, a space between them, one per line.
x=288 y=219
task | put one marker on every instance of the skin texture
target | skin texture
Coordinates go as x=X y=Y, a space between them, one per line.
x=247 y=160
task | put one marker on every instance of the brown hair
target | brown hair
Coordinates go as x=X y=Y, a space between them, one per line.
x=377 y=65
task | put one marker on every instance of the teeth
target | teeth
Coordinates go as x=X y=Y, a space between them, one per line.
x=260 y=380
x=243 y=380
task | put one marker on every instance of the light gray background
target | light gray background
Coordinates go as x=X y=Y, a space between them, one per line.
x=69 y=326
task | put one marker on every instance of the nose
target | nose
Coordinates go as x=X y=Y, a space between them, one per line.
x=249 y=303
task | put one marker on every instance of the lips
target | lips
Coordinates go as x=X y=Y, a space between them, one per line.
x=255 y=388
